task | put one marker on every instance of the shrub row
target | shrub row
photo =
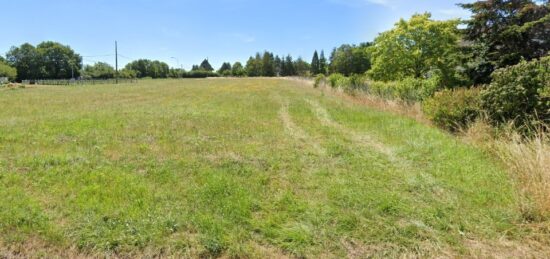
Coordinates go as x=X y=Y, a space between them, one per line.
x=408 y=90
x=453 y=109
x=518 y=94
x=199 y=74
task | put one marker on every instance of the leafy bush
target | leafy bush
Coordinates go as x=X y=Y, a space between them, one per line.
x=99 y=70
x=416 y=89
x=127 y=73
x=382 y=89
x=408 y=90
x=335 y=80
x=453 y=109
x=200 y=74
x=520 y=94
x=149 y=68
x=357 y=82
x=7 y=71
x=226 y=73
x=354 y=82
x=545 y=92
x=319 y=80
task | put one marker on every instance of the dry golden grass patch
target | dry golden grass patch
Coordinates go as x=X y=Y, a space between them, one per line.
x=528 y=161
x=411 y=110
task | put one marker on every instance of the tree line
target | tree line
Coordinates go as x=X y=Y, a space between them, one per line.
x=52 y=60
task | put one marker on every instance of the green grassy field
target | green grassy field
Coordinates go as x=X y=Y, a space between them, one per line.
x=237 y=168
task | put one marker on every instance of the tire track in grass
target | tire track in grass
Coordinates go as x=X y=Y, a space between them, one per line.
x=410 y=174
x=361 y=138
x=295 y=131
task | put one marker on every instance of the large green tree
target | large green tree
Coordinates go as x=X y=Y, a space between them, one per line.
x=159 y=69
x=288 y=68
x=99 y=70
x=26 y=60
x=59 y=61
x=205 y=66
x=48 y=60
x=225 y=69
x=278 y=65
x=315 y=64
x=268 y=64
x=323 y=66
x=7 y=71
x=419 y=48
x=350 y=59
x=254 y=66
x=238 y=70
x=149 y=68
x=302 y=68
x=504 y=32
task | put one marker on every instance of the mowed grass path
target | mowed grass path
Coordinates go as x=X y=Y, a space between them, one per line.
x=235 y=167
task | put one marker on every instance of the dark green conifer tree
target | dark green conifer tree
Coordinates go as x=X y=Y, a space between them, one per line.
x=315 y=64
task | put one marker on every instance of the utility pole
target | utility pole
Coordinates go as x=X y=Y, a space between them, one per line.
x=116 y=62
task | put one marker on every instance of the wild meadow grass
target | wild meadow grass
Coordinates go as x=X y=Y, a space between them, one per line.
x=528 y=161
x=238 y=168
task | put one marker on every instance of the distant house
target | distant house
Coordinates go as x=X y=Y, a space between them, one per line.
x=3 y=80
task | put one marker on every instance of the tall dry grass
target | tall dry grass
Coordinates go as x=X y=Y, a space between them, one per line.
x=407 y=109
x=527 y=160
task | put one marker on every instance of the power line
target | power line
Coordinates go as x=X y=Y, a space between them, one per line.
x=92 y=60
x=125 y=57
x=88 y=60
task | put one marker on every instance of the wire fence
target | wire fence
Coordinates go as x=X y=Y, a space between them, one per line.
x=79 y=81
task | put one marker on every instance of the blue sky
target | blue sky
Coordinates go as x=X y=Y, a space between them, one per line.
x=191 y=30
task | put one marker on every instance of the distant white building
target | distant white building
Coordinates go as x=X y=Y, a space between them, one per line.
x=3 y=80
